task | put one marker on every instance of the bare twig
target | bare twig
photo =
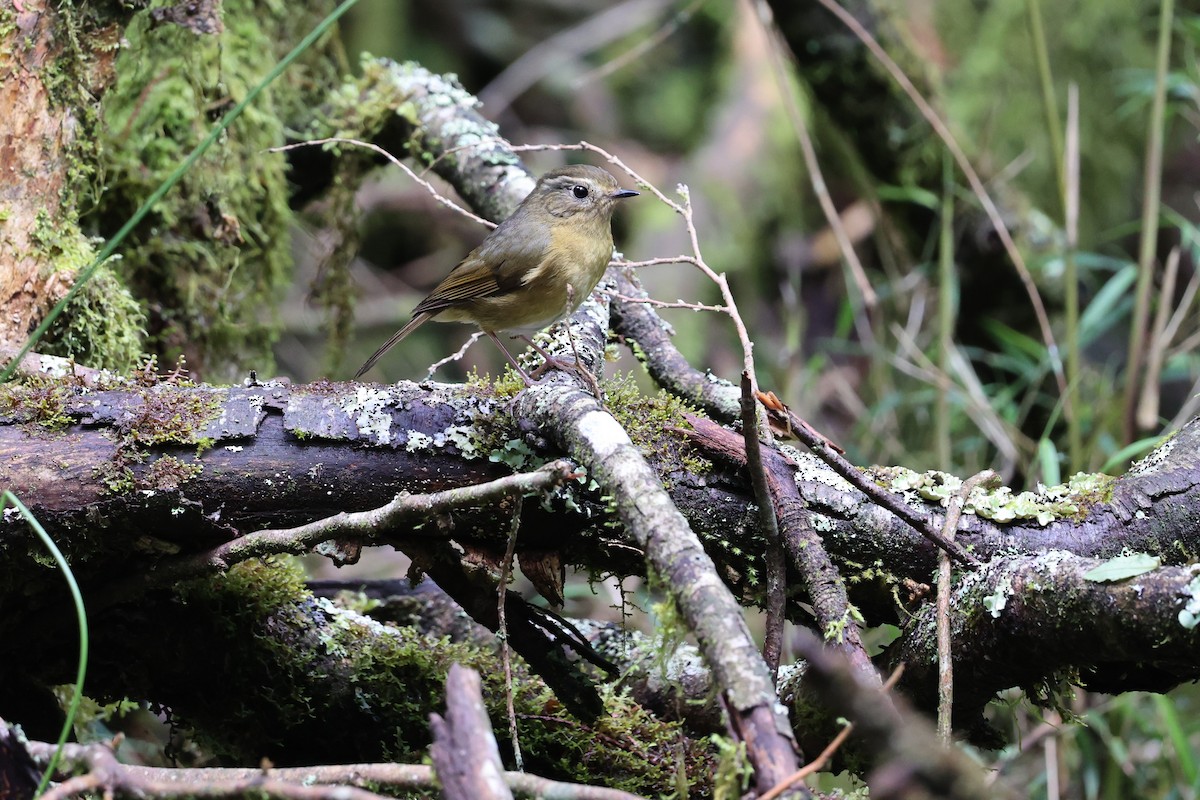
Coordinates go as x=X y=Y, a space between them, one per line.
x=323 y=782
x=502 y=633
x=401 y=511
x=775 y=567
x=464 y=751
x=660 y=261
x=910 y=760
x=650 y=301
x=823 y=450
x=429 y=187
x=456 y=356
x=638 y=323
x=954 y=509
x=818 y=575
x=818 y=763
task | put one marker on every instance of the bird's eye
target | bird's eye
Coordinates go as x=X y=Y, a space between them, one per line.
x=579 y=191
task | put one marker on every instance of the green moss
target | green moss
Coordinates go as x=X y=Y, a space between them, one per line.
x=173 y=417
x=169 y=473
x=508 y=384
x=102 y=327
x=835 y=630
x=733 y=772
x=304 y=665
x=997 y=503
x=214 y=252
x=651 y=421
x=117 y=478
x=38 y=400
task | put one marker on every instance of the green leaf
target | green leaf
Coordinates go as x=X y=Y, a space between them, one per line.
x=1048 y=459
x=909 y=194
x=1122 y=568
x=1130 y=451
x=1108 y=306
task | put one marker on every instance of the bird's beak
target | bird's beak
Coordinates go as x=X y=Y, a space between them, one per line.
x=617 y=195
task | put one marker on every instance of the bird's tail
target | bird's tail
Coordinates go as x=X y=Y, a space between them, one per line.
x=412 y=325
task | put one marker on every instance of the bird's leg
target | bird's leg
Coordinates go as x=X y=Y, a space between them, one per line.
x=551 y=361
x=492 y=335
x=557 y=363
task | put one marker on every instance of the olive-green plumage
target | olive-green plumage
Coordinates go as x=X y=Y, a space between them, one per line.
x=517 y=280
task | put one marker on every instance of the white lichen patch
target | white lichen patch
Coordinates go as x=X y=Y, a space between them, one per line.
x=1044 y=505
x=1189 y=615
x=55 y=366
x=417 y=441
x=997 y=600
x=813 y=470
x=1050 y=561
x=1154 y=459
x=466 y=438
x=821 y=523
x=371 y=409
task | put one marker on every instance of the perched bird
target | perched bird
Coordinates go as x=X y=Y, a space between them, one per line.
x=535 y=268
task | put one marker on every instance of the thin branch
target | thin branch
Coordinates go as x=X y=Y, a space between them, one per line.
x=650 y=301
x=464 y=751
x=818 y=763
x=456 y=356
x=502 y=633
x=945 y=663
x=403 y=511
x=822 y=448
x=429 y=187
x=638 y=323
x=775 y=566
x=660 y=261
x=324 y=782
x=910 y=762
x=818 y=576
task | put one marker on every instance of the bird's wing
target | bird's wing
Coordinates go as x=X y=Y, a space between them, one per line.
x=496 y=267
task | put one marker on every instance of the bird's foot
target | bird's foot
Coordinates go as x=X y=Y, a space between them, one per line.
x=551 y=362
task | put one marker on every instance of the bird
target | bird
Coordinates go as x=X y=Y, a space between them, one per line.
x=535 y=268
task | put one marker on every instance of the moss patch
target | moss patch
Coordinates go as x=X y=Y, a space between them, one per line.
x=214 y=252
x=650 y=421
x=101 y=327
x=1071 y=500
